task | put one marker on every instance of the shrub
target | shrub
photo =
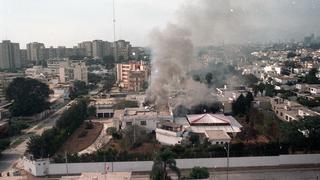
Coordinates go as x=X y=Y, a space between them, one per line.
x=111 y=130
x=199 y=173
x=4 y=143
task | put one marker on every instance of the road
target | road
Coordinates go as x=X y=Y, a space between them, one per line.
x=264 y=174
x=11 y=156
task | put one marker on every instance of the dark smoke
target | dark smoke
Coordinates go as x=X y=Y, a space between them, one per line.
x=204 y=22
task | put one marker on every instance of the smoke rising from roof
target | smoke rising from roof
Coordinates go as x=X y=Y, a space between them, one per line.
x=204 y=22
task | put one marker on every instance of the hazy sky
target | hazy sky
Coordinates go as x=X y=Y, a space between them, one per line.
x=67 y=22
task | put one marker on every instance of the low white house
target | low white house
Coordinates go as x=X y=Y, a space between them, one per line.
x=170 y=133
x=104 y=107
x=141 y=117
x=217 y=136
x=314 y=88
x=200 y=123
x=218 y=128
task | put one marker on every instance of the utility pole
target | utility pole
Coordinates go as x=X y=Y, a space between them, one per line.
x=228 y=161
x=227 y=150
x=66 y=157
x=134 y=130
x=105 y=165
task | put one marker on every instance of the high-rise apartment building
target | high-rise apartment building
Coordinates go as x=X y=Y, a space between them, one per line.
x=123 y=50
x=35 y=52
x=87 y=45
x=23 y=57
x=10 y=55
x=97 y=49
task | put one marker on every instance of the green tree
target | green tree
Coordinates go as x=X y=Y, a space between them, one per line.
x=240 y=105
x=311 y=77
x=249 y=99
x=249 y=79
x=4 y=143
x=51 y=140
x=269 y=90
x=126 y=104
x=92 y=110
x=79 y=89
x=310 y=127
x=109 y=62
x=163 y=161
x=35 y=146
x=93 y=78
x=209 y=77
x=29 y=96
x=291 y=136
x=108 y=82
x=199 y=173
x=194 y=139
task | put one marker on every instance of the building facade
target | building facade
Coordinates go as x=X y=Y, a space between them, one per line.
x=73 y=70
x=10 y=57
x=35 y=52
x=132 y=76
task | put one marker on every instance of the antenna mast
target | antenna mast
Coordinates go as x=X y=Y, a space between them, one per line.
x=114 y=34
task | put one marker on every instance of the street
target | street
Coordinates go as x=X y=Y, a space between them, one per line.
x=11 y=156
x=264 y=174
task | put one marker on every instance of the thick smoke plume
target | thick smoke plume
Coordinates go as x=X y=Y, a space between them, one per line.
x=204 y=22
x=173 y=58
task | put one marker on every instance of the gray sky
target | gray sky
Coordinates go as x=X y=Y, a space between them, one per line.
x=67 y=22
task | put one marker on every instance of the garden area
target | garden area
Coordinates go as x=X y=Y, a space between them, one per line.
x=82 y=138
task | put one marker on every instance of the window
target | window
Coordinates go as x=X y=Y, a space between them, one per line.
x=143 y=123
x=129 y=123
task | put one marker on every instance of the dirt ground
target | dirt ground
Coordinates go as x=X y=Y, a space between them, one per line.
x=145 y=148
x=76 y=144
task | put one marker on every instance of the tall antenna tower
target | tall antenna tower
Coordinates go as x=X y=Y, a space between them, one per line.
x=114 y=34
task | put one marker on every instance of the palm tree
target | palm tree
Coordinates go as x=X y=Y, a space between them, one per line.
x=163 y=161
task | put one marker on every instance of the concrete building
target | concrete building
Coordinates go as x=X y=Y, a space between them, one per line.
x=314 y=88
x=54 y=65
x=132 y=76
x=98 y=49
x=24 y=57
x=104 y=107
x=217 y=128
x=10 y=55
x=200 y=123
x=35 y=52
x=289 y=110
x=169 y=133
x=123 y=50
x=73 y=70
x=141 y=117
x=217 y=136
x=87 y=46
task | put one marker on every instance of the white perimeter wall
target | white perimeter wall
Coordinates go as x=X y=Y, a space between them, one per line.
x=77 y=168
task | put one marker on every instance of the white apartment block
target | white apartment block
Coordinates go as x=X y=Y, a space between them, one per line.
x=132 y=75
x=73 y=70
